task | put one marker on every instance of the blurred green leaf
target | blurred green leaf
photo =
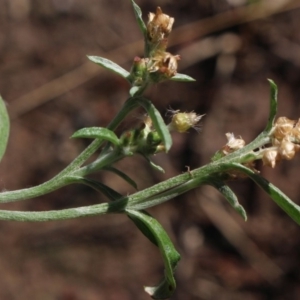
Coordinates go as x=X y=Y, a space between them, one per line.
x=273 y=105
x=182 y=77
x=291 y=208
x=122 y=175
x=96 y=133
x=138 y=16
x=229 y=195
x=4 y=127
x=154 y=231
x=158 y=122
x=109 y=65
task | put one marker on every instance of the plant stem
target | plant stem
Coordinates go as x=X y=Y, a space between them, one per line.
x=62 y=179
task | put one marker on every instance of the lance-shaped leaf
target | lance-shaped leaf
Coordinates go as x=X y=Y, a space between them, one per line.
x=273 y=105
x=182 y=77
x=291 y=208
x=97 y=133
x=138 y=16
x=122 y=175
x=229 y=195
x=158 y=122
x=155 y=232
x=111 y=194
x=4 y=127
x=109 y=65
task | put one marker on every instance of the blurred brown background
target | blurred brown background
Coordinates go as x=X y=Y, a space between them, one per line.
x=230 y=47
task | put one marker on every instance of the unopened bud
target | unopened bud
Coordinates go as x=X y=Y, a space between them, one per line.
x=138 y=71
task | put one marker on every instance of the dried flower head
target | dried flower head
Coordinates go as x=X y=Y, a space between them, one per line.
x=165 y=64
x=287 y=149
x=283 y=127
x=271 y=157
x=285 y=141
x=159 y=26
x=182 y=122
x=233 y=144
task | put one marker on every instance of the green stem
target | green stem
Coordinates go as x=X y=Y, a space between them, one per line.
x=53 y=215
x=151 y=196
x=62 y=179
x=105 y=160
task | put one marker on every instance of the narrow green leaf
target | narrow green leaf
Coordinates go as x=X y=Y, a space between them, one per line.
x=109 y=65
x=291 y=208
x=111 y=194
x=158 y=122
x=4 y=127
x=229 y=195
x=138 y=16
x=143 y=227
x=122 y=175
x=273 y=105
x=170 y=256
x=182 y=77
x=96 y=133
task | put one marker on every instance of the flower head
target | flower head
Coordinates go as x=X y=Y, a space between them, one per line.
x=233 y=144
x=271 y=157
x=182 y=122
x=164 y=65
x=159 y=26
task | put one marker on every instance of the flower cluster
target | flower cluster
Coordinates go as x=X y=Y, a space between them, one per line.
x=158 y=64
x=163 y=64
x=285 y=141
x=144 y=139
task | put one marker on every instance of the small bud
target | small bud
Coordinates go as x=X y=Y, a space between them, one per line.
x=233 y=144
x=153 y=138
x=159 y=26
x=138 y=71
x=182 y=122
x=270 y=157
